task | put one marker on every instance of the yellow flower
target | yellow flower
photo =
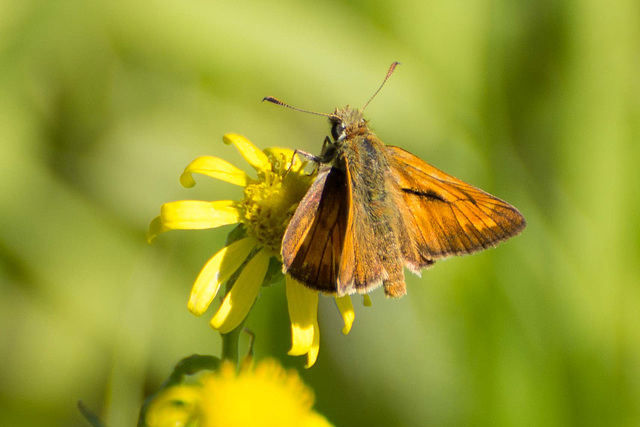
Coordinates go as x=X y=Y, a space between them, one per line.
x=268 y=204
x=262 y=396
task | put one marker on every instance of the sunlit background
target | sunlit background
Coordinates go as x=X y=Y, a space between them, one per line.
x=103 y=103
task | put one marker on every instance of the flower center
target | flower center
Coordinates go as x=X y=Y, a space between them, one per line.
x=270 y=202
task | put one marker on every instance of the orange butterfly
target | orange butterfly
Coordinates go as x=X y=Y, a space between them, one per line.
x=374 y=209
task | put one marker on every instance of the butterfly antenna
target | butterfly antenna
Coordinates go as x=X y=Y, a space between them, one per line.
x=276 y=101
x=391 y=70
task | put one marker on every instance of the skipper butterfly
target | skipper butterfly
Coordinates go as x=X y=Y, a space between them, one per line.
x=374 y=209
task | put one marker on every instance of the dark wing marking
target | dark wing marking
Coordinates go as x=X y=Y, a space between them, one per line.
x=446 y=216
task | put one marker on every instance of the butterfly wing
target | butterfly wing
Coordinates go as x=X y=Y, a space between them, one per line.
x=329 y=245
x=313 y=242
x=446 y=216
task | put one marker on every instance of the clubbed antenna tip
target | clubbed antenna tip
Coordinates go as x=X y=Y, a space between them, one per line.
x=391 y=70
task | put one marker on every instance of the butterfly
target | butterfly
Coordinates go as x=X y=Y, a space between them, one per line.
x=374 y=209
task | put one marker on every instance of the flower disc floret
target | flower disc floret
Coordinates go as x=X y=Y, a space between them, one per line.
x=270 y=202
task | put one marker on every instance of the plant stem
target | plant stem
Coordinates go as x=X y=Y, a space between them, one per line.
x=230 y=344
x=230 y=341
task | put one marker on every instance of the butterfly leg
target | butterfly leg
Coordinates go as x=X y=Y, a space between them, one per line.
x=325 y=142
x=323 y=158
x=311 y=157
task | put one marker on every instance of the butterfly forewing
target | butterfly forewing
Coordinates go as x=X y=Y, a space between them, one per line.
x=313 y=243
x=335 y=244
x=446 y=216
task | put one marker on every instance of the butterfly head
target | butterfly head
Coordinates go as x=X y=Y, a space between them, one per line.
x=346 y=122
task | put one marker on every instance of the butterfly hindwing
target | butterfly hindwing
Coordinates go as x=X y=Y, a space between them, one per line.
x=446 y=216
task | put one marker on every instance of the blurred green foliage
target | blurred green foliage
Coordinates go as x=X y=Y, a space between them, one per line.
x=103 y=103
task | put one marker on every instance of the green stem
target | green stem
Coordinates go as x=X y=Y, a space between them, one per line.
x=230 y=341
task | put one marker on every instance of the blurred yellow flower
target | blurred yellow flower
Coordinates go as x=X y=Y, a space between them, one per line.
x=268 y=204
x=262 y=396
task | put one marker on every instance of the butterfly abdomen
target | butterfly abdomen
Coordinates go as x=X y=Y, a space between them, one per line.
x=376 y=218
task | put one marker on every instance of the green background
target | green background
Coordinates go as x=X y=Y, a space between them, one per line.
x=103 y=103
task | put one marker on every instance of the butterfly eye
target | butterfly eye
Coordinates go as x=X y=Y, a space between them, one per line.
x=337 y=131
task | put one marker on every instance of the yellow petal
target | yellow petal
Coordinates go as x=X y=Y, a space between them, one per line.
x=155 y=228
x=312 y=355
x=254 y=156
x=346 y=310
x=239 y=300
x=218 y=269
x=303 y=313
x=366 y=300
x=214 y=168
x=198 y=215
